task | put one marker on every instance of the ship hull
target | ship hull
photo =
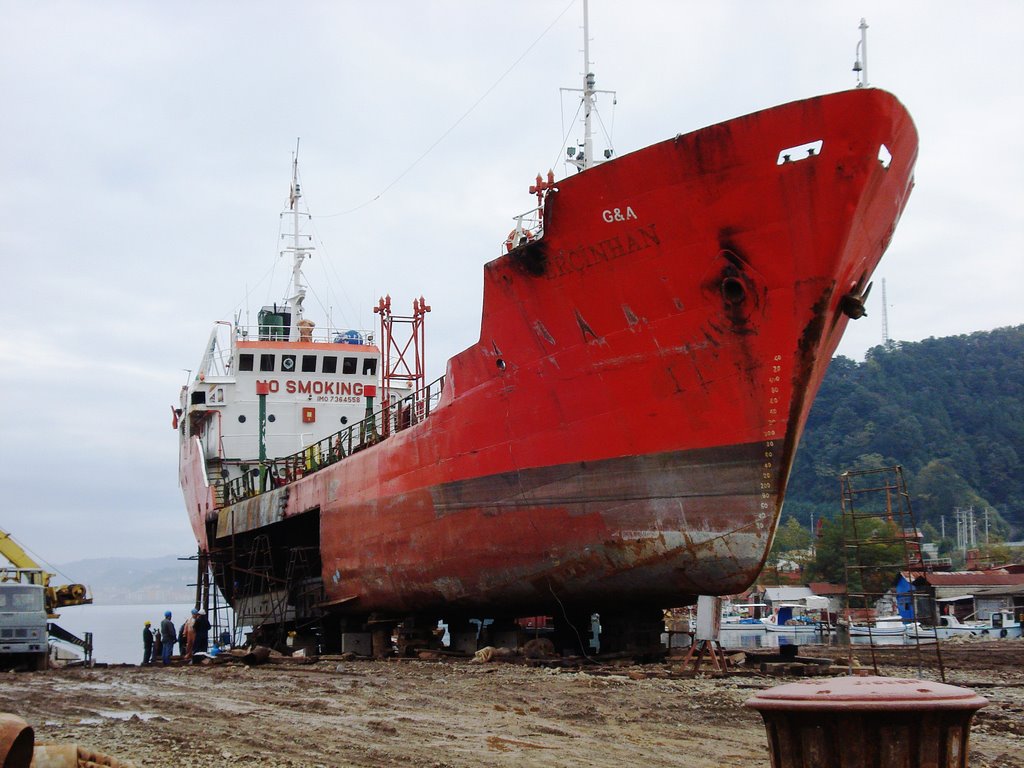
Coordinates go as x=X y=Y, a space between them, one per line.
x=622 y=432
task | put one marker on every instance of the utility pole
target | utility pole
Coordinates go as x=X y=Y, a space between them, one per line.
x=886 y=341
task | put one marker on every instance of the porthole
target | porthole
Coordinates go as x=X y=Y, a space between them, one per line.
x=241 y=419
x=732 y=290
x=271 y=417
x=344 y=419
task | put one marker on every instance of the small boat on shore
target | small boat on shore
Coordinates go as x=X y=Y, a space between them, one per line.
x=1001 y=624
x=883 y=626
x=791 y=620
x=743 y=617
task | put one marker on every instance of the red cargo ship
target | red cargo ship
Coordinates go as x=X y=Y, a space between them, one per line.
x=619 y=438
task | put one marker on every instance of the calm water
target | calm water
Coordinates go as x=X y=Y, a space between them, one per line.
x=759 y=638
x=117 y=629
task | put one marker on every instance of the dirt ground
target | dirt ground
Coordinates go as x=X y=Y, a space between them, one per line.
x=456 y=713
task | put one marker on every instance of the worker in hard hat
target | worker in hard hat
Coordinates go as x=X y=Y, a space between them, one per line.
x=147 y=644
x=168 y=636
x=202 y=630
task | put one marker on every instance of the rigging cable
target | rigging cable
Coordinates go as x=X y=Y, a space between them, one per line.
x=456 y=124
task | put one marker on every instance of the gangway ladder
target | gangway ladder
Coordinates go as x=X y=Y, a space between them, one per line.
x=210 y=571
x=257 y=578
x=305 y=587
x=881 y=543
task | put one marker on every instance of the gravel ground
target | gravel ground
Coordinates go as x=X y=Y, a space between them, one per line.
x=457 y=713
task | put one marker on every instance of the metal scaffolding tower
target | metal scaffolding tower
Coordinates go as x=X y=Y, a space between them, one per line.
x=881 y=543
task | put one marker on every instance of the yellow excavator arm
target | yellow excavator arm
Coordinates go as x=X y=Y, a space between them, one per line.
x=13 y=551
x=56 y=597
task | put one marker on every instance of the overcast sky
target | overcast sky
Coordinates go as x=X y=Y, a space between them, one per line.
x=146 y=152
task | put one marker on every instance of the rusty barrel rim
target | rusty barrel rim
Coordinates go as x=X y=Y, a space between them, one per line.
x=866 y=694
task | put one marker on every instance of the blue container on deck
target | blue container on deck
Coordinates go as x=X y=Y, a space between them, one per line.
x=349 y=337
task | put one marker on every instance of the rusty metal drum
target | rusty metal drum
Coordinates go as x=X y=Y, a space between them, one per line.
x=867 y=722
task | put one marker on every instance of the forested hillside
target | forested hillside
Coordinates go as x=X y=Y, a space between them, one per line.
x=950 y=411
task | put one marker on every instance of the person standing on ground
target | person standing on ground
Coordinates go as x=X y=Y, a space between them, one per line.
x=158 y=646
x=147 y=644
x=202 y=632
x=188 y=629
x=167 y=635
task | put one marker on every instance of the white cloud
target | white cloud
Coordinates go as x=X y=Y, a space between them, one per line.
x=145 y=152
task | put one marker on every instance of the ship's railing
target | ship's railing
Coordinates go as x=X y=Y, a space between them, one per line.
x=220 y=351
x=529 y=227
x=257 y=478
x=315 y=334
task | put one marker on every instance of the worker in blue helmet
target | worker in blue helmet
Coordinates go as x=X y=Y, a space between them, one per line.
x=168 y=636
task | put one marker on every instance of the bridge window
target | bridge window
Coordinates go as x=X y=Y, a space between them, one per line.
x=266 y=362
x=288 y=363
x=245 y=362
x=348 y=365
x=330 y=364
x=369 y=366
x=309 y=363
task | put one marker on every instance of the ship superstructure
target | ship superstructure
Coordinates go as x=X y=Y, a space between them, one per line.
x=275 y=388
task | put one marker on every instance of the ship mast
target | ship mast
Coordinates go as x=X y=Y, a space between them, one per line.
x=585 y=159
x=588 y=91
x=299 y=251
x=860 y=65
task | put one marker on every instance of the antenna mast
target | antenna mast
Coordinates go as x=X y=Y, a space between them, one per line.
x=585 y=159
x=299 y=251
x=886 y=341
x=860 y=65
x=588 y=91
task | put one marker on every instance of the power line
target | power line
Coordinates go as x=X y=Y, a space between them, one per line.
x=454 y=125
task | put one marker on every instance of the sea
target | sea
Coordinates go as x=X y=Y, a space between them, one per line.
x=117 y=629
x=759 y=638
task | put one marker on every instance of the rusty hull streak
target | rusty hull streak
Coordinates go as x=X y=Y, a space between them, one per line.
x=253 y=513
x=807 y=360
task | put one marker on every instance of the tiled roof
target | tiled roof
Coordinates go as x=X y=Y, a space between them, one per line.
x=825 y=588
x=993 y=578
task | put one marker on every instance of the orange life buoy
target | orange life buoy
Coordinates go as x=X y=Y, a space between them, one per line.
x=510 y=241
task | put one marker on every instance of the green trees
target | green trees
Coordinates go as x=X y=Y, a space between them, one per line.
x=791 y=536
x=792 y=542
x=950 y=411
x=872 y=556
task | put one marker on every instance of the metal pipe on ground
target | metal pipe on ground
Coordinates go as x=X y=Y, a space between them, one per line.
x=16 y=741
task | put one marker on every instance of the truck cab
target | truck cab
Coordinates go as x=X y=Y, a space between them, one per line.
x=23 y=633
